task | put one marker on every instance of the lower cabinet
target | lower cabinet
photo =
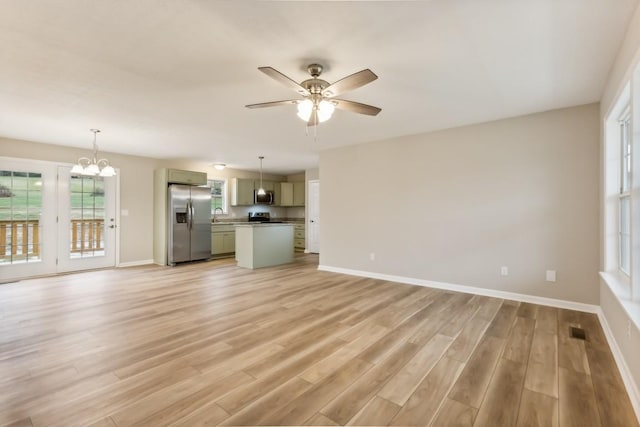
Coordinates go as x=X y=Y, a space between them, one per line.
x=299 y=238
x=223 y=240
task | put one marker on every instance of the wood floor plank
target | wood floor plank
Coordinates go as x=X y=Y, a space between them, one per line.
x=320 y=420
x=501 y=403
x=468 y=338
x=502 y=323
x=537 y=410
x=455 y=414
x=518 y=345
x=542 y=371
x=489 y=307
x=474 y=380
x=423 y=404
x=613 y=404
x=328 y=365
x=527 y=310
x=205 y=416
x=571 y=351
x=577 y=401
x=378 y=411
x=400 y=387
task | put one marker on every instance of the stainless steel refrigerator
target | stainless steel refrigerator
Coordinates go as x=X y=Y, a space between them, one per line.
x=189 y=223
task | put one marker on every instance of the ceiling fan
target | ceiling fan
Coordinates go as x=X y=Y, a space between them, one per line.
x=319 y=100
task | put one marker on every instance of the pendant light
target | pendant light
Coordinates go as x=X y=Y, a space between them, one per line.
x=261 y=191
x=93 y=166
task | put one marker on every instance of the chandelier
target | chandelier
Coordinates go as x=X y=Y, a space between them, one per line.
x=93 y=166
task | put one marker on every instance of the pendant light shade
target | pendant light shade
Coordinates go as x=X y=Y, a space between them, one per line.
x=261 y=191
x=92 y=166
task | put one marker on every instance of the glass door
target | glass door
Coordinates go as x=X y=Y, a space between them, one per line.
x=27 y=219
x=86 y=221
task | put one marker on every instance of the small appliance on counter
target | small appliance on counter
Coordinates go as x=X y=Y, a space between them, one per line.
x=261 y=217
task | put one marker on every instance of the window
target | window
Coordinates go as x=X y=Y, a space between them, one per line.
x=218 y=196
x=87 y=216
x=624 y=196
x=20 y=211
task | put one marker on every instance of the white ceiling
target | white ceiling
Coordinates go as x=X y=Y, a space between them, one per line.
x=170 y=78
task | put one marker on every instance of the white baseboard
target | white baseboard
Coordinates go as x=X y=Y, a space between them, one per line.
x=631 y=386
x=627 y=378
x=570 y=305
x=135 y=263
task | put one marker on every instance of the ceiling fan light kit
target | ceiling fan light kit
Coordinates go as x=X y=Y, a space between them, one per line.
x=319 y=103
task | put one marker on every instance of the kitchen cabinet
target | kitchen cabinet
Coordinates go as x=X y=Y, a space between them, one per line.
x=241 y=192
x=299 y=237
x=292 y=193
x=298 y=193
x=263 y=245
x=286 y=194
x=223 y=239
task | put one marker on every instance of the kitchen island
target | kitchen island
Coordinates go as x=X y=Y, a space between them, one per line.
x=264 y=245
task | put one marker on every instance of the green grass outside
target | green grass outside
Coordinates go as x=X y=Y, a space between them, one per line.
x=25 y=201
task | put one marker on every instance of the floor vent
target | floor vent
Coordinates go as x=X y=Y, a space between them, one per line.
x=577 y=333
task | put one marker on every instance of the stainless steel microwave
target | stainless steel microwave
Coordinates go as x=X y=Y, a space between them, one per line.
x=264 y=199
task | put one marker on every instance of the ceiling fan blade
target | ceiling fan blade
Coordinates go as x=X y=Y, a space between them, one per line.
x=273 y=104
x=356 y=107
x=348 y=83
x=278 y=76
x=313 y=119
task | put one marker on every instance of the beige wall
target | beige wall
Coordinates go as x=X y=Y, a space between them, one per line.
x=136 y=190
x=454 y=206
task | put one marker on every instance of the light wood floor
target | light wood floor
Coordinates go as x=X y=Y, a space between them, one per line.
x=210 y=343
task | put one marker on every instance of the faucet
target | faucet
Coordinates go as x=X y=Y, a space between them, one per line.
x=214 y=214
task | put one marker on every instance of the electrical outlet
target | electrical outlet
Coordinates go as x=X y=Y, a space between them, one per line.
x=551 y=275
x=372 y=256
x=504 y=271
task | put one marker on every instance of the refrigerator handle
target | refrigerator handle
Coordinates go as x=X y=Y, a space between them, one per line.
x=189 y=219
x=190 y=214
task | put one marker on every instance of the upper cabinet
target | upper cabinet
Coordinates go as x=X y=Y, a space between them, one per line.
x=286 y=194
x=298 y=193
x=241 y=192
x=292 y=193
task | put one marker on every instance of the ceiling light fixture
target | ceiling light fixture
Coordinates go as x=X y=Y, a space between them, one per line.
x=323 y=107
x=93 y=166
x=261 y=191
x=219 y=166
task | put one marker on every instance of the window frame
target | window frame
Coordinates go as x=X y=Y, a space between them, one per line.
x=224 y=196
x=624 y=194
